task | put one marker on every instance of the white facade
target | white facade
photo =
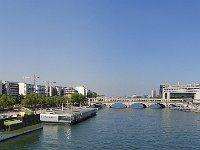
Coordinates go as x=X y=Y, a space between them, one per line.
x=25 y=89
x=0 y=87
x=82 y=90
x=180 y=91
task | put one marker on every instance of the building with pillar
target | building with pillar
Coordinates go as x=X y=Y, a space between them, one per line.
x=168 y=91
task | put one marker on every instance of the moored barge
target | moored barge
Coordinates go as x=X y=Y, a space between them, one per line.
x=69 y=116
x=21 y=124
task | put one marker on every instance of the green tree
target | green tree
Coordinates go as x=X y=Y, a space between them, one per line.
x=91 y=94
x=78 y=98
x=7 y=101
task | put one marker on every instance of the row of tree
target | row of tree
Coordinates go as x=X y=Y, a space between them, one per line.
x=35 y=100
x=7 y=101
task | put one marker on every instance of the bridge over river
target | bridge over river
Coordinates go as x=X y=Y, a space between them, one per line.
x=108 y=101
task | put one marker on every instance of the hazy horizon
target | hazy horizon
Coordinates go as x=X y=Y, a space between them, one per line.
x=113 y=47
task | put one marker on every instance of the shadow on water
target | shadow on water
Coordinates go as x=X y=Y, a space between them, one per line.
x=21 y=142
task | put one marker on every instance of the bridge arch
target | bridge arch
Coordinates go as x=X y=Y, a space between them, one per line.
x=156 y=105
x=118 y=105
x=137 y=106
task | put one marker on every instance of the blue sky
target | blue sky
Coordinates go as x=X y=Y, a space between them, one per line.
x=113 y=47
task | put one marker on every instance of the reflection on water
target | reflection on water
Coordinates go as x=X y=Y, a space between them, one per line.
x=120 y=129
x=21 y=142
x=68 y=132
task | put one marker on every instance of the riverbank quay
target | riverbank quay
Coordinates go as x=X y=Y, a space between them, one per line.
x=190 y=105
x=68 y=116
x=18 y=124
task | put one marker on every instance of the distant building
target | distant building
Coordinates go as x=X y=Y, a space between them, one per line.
x=51 y=90
x=180 y=91
x=82 y=90
x=0 y=87
x=153 y=93
x=40 y=89
x=59 y=91
x=25 y=88
x=10 y=88
x=69 y=91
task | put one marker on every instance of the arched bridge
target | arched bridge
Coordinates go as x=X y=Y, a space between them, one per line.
x=129 y=101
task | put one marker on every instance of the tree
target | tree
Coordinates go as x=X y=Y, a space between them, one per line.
x=7 y=101
x=78 y=98
x=91 y=94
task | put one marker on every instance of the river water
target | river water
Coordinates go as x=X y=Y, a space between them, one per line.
x=145 y=129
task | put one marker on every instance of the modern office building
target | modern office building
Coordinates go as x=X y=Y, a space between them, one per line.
x=25 y=88
x=69 y=91
x=40 y=89
x=51 y=90
x=82 y=90
x=59 y=90
x=10 y=88
x=168 y=91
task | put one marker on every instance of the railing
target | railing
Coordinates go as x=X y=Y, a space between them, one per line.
x=134 y=100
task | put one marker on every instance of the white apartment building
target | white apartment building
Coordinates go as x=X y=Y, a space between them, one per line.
x=180 y=91
x=25 y=88
x=82 y=90
x=0 y=87
x=10 y=88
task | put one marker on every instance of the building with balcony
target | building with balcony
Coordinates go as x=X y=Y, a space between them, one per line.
x=40 y=89
x=10 y=88
x=168 y=91
x=69 y=91
x=51 y=91
x=25 y=88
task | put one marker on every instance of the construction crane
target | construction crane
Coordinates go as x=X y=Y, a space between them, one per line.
x=34 y=81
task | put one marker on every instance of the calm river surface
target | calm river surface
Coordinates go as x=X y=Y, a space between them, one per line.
x=145 y=129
